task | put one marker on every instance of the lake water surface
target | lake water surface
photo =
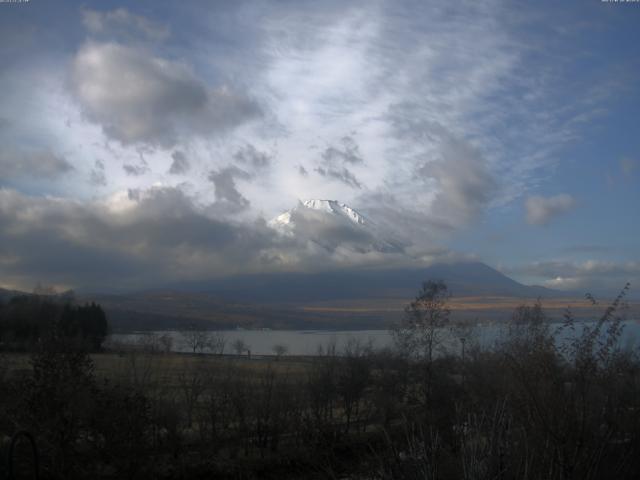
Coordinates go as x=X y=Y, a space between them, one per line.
x=307 y=342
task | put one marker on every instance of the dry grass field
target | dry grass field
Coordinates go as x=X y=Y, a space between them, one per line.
x=166 y=368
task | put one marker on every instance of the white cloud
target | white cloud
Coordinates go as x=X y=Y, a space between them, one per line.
x=465 y=185
x=564 y=283
x=139 y=97
x=541 y=210
x=97 y=176
x=590 y=275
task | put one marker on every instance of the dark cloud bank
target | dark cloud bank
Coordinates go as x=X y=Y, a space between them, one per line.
x=158 y=236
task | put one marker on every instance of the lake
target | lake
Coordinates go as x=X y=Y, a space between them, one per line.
x=306 y=342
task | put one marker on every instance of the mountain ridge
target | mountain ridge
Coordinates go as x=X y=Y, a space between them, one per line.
x=327 y=300
x=462 y=278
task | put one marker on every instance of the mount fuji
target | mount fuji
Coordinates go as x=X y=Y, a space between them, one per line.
x=331 y=226
x=333 y=292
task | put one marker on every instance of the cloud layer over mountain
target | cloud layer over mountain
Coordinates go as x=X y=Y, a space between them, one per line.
x=161 y=236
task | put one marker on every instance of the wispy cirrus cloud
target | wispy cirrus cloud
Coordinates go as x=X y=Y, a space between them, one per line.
x=122 y=22
x=406 y=77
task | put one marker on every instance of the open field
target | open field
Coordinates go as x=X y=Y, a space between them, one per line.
x=166 y=368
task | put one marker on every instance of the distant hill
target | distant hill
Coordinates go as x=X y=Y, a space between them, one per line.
x=6 y=295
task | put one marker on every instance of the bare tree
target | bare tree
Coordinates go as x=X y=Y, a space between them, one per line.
x=280 y=350
x=217 y=343
x=420 y=332
x=239 y=346
x=196 y=340
x=139 y=367
x=353 y=379
x=191 y=380
x=166 y=342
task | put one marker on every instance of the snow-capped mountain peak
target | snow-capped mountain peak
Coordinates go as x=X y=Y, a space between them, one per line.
x=335 y=207
x=324 y=221
x=332 y=207
x=282 y=219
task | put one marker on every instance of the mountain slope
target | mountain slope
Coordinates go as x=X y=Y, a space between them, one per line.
x=463 y=279
x=328 y=300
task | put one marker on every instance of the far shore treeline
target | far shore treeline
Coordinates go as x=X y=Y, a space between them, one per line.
x=26 y=320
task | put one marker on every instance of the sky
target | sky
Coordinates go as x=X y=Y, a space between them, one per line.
x=152 y=141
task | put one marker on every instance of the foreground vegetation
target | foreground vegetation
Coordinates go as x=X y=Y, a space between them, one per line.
x=529 y=407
